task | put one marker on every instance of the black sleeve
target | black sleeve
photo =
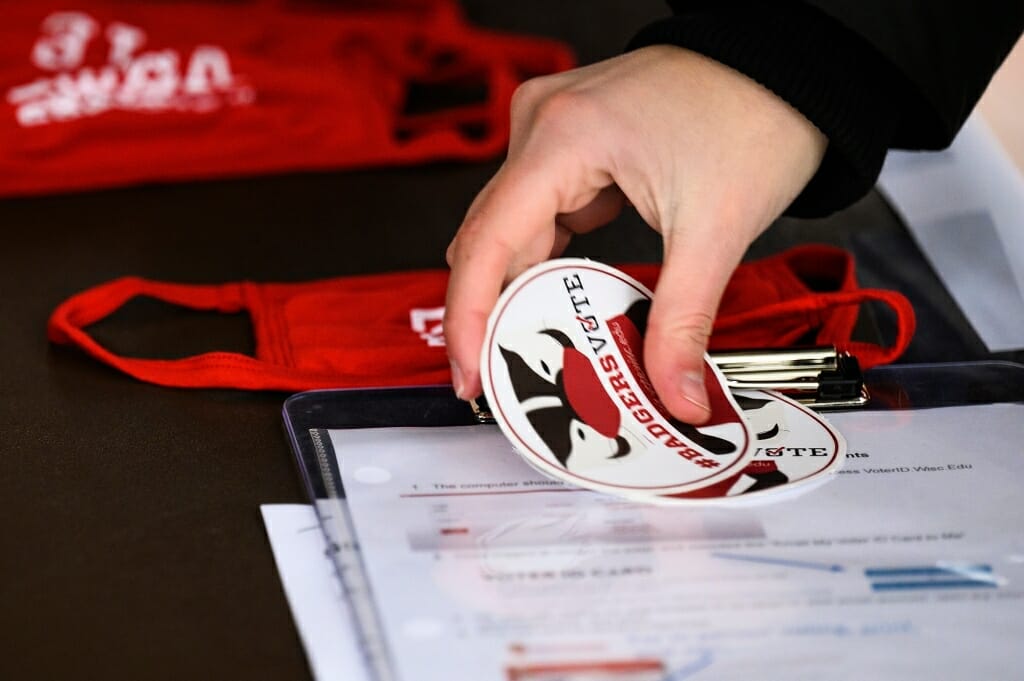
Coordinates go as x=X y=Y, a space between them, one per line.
x=870 y=74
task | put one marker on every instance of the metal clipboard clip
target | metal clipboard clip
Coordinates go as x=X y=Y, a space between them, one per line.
x=821 y=377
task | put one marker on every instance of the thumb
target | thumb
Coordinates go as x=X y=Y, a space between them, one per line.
x=693 y=277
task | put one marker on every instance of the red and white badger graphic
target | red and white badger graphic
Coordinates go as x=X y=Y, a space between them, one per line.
x=564 y=399
x=562 y=369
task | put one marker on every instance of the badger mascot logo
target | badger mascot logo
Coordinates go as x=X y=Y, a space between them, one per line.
x=569 y=408
x=766 y=418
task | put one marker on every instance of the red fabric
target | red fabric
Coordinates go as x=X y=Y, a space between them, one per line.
x=807 y=295
x=116 y=93
x=384 y=330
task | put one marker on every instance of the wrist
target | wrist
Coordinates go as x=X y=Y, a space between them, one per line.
x=829 y=74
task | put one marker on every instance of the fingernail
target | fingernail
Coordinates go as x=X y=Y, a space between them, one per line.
x=693 y=389
x=457 y=381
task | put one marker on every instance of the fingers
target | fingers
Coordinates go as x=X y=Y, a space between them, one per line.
x=696 y=269
x=562 y=238
x=605 y=207
x=509 y=228
x=554 y=183
x=678 y=133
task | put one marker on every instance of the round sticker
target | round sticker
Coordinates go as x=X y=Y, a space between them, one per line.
x=795 y=449
x=562 y=368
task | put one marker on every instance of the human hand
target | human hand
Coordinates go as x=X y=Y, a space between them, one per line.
x=708 y=157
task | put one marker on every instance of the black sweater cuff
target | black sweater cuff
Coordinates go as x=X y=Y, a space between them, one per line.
x=822 y=69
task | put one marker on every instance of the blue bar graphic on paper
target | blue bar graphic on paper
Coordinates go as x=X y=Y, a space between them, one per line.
x=785 y=562
x=950 y=584
x=918 y=577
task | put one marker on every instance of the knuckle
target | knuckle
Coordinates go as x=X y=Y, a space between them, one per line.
x=471 y=232
x=478 y=236
x=456 y=319
x=564 y=109
x=526 y=95
x=692 y=330
x=470 y=238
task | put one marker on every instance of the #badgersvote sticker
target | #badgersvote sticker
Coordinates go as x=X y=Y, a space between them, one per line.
x=795 y=450
x=562 y=369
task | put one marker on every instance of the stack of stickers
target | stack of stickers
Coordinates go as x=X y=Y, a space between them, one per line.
x=562 y=369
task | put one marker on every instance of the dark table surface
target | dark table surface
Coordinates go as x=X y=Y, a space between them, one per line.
x=132 y=541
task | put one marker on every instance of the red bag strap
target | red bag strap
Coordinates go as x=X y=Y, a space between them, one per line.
x=480 y=128
x=213 y=369
x=868 y=354
x=871 y=354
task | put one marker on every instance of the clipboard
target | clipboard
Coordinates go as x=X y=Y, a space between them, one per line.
x=309 y=415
